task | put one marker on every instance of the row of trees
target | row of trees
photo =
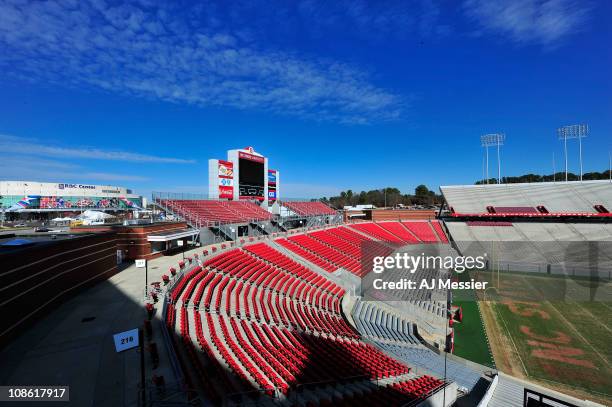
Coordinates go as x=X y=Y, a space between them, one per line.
x=559 y=176
x=388 y=197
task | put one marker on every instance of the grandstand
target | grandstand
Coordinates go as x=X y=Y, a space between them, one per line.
x=220 y=220
x=543 y=199
x=538 y=246
x=546 y=227
x=549 y=245
x=208 y=212
x=308 y=208
x=243 y=306
x=253 y=301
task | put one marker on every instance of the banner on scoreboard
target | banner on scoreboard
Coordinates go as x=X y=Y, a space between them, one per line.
x=272 y=177
x=251 y=157
x=226 y=169
x=272 y=180
x=226 y=182
x=226 y=192
x=226 y=179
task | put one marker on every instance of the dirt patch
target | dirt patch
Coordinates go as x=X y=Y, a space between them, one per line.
x=526 y=309
x=563 y=354
x=506 y=358
x=559 y=337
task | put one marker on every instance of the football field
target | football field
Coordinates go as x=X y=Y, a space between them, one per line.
x=553 y=329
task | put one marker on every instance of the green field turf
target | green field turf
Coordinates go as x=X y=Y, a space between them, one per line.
x=562 y=323
x=470 y=337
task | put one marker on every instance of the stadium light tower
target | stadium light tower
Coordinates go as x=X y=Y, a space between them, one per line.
x=493 y=139
x=578 y=131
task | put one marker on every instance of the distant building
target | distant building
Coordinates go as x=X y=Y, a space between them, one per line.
x=30 y=196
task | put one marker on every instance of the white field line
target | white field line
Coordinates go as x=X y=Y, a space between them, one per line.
x=513 y=343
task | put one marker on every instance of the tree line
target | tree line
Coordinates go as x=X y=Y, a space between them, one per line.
x=559 y=176
x=385 y=197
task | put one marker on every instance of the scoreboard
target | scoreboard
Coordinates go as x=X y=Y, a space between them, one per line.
x=251 y=176
x=244 y=175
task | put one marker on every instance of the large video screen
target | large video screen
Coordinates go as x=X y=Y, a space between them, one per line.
x=251 y=178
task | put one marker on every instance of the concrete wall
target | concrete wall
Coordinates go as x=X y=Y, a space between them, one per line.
x=37 y=278
x=132 y=239
x=442 y=398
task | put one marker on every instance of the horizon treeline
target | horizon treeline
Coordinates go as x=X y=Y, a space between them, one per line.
x=558 y=176
x=388 y=197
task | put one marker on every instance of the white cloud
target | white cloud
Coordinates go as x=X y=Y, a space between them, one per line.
x=35 y=168
x=18 y=145
x=543 y=22
x=178 y=55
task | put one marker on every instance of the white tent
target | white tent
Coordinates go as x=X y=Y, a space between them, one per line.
x=61 y=219
x=94 y=215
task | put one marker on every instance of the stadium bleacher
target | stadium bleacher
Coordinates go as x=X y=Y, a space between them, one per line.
x=558 y=198
x=262 y=321
x=267 y=323
x=423 y=230
x=439 y=231
x=394 y=334
x=372 y=321
x=308 y=208
x=377 y=232
x=427 y=360
x=353 y=248
x=398 y=229
x=532 y=246
x=217 y=212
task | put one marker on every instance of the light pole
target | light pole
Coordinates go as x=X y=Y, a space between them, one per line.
x=493 y=139
x=578 y=131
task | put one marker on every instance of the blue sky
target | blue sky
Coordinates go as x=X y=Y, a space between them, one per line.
x=344 y=94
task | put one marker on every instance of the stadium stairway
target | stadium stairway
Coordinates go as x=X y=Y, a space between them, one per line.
x=392 y=334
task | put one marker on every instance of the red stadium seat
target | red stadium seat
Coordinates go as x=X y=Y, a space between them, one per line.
x=217 y=212
x=263 y=320
x=309 y=208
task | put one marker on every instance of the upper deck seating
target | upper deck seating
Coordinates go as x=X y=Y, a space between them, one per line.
x=309 y=208
x=222 y=212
